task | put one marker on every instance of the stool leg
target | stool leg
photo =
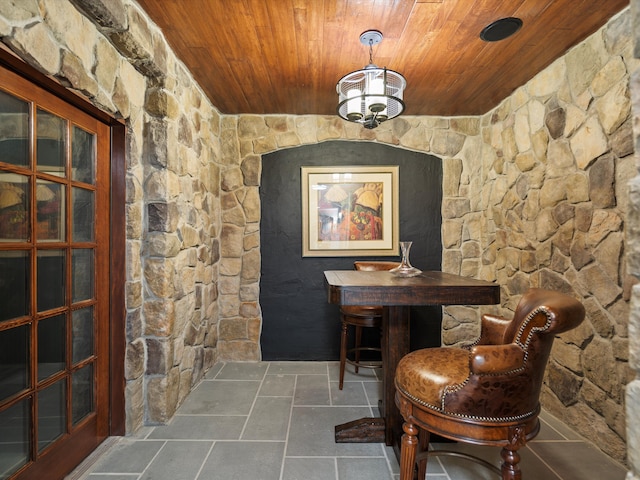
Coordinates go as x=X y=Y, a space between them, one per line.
x=357 y=345
x=423 y=441
x=510 y=456
x=408 y=451
x=510 y=468
x=343 y=353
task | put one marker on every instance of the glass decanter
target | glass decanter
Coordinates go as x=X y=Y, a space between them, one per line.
x=405 y=269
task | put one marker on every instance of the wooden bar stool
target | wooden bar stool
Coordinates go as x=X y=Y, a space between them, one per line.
x=360 y=317
x=487 y=394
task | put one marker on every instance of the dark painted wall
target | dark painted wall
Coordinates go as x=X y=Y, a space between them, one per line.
x=298 y=322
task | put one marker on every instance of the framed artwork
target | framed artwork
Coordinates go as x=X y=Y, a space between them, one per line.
x=350 y=211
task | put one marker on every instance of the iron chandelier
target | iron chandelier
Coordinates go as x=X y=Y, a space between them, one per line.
x=371 y=95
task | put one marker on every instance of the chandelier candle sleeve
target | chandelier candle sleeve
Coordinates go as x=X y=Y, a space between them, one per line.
x=354 y=109
x=376 y=102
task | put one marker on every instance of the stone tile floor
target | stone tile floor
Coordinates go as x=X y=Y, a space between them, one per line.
x=275 y=421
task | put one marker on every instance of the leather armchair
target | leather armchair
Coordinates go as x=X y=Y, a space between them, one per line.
x=487 y=393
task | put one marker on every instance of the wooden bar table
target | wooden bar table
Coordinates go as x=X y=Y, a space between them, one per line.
x=397 y=295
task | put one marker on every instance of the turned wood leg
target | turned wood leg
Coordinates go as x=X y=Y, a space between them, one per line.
x=510 y=456
x=423 y=440
x=510 y=468
x=343 y=353
x=408 y=451
x=357 y=345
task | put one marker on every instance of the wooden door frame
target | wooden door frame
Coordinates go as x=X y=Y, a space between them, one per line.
x=117 y=240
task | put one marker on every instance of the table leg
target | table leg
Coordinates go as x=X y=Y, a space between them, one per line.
x=395 y=345
x=395 y=341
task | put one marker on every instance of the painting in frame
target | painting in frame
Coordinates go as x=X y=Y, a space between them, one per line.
x=350 y=211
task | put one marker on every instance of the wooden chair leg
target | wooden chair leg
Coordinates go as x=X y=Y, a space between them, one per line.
x=357 y=345
x=510 y=464
x=423 y=446
x=408 y=451
x=510 y=456
x=343 y=353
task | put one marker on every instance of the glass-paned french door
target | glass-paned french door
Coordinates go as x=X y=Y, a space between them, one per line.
x=54 y=291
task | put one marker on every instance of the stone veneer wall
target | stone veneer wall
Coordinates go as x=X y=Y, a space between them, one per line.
x=633 y=266
x=534 y=194
x=112 y=55
x=556 y=162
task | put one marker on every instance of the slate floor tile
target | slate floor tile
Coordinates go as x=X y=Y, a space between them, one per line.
x=276 y=421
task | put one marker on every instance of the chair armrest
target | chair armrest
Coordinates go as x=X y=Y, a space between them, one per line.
x=495 y=359
x=492 y=330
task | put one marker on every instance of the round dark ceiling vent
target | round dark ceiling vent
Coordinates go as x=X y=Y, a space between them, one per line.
x=500 y=29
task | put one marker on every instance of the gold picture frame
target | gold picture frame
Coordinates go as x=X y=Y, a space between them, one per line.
x=350 y=211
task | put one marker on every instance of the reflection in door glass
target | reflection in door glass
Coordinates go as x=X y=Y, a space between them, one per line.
x=51 y=346
x=14 y=130
x=82 y=274
x=52 y=417
x=83 y=216
x=50 y=143
x=14 y=207
x=50 y=210
x=82 y=346
x=82 y=393
x=51 y=279
x=14 y=361
x=82 y=155
x=14 y=432
x=14 y=284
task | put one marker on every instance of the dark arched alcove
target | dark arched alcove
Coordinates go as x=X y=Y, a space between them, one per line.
x=298 y=323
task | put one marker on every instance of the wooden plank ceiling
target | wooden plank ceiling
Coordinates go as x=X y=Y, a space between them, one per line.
x=285 y=56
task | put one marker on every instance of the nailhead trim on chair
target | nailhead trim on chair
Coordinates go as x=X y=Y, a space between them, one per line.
x=420 y=402
x=451 y=389
x=532 y=314
x=542 y=309
x=470 y=417
x=524 y=346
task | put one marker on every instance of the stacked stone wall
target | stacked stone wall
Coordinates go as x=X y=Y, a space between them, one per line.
x=111 y=54
x=551 y=211
x=633 y=266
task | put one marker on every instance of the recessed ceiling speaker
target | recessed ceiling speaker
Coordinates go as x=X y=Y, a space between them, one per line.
x=500 y=29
